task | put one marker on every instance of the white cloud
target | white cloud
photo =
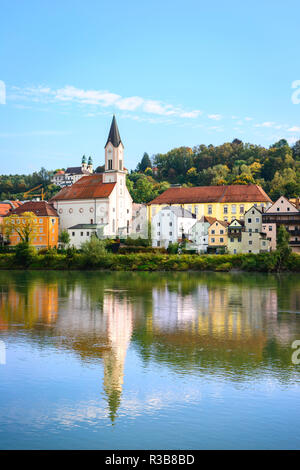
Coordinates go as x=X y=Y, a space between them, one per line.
x=248 y=118
x=104 y=99
x=294 y=129
x=2 y=92
x=216 y=117
x=266 y=124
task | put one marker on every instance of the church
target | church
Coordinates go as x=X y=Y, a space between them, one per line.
x=100 y=203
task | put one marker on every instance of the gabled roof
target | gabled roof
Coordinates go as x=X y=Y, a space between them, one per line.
x=288 y=204
x=240 y=222
x=88 y=187
x=76 y=170
x=207 y=194
x=221 y=222
x=39 y=208
x=114 y=135
x=252 y=208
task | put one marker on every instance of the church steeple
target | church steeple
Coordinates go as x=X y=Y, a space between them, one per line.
x=114 y=135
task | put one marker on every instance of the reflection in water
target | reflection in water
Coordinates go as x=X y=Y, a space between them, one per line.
x=119 y=330
x=234 y=325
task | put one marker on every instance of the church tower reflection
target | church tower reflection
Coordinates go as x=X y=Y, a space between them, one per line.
x=119 y=315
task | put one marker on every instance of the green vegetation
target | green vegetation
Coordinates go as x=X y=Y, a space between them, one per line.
x=13 y=187
x=276 y=169
x=94 y=255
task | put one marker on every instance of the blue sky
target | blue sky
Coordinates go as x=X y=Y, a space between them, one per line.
x=174 y=72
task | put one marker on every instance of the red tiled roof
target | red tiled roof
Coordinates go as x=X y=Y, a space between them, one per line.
x=231 y=193
x=39 y=208
x=4 y=208
x=88 y=187
x=209 y=219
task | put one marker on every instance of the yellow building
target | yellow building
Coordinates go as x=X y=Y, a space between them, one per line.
x=218 y=235
x=45 y=227
x=222 y=202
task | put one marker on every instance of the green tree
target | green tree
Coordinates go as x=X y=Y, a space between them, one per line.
x=144 y=163
x=64 y=238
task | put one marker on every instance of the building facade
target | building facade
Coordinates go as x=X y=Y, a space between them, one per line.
x=72 y=174
x=170 y=225
x=199 y=234
x=217 y=236
x=99 y=203
x=45 y=229
x=221 y=202
x=283 y=212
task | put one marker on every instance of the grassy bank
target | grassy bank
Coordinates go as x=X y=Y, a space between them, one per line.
x=264 y=262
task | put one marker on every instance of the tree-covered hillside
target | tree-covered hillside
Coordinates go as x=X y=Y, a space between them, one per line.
x=276 y=169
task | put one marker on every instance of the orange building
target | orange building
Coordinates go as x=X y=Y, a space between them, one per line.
x=45 y=231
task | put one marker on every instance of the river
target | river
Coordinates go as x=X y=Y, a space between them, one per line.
x=149 y=360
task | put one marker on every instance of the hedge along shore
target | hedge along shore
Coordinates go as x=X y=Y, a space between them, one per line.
x=264 y=262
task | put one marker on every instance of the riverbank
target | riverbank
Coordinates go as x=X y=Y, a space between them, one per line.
x=263 y=262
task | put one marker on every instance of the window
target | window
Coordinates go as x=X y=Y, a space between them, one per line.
x=120 y=165
x=233 y=209
x=212 y=232
x=213 y=240
x=53 y=221
x=128 y=209
x=40 y=221
x=110 y=164
x=288 y=209
x=225 y=209
x=270 y=228
x=278 y=209
x=209 y=210
x=73 y=234
x=249 y=221
x=81 y=234
x=250 y=232
x=158 y=224
x=158 y=243
x=221 y=232
x=170 y=233
x=250 y=242
x=257 y=220
x=92 y=221
x=232 y=240
x=158 y=234
x=256 y=230
x=88 y=234
x=221 y=240
x=41 y=229
x=170 y=224
x=264 y=243
x=241 y=209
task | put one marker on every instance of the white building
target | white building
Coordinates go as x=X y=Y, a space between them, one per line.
x=171 y=224
x=98 y=203
x=72 y=174
x=139 y=221
x=199 y=234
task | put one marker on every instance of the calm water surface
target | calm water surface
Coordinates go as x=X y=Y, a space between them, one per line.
x=149 y=360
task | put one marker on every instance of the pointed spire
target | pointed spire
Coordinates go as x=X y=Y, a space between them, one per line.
x=114 y=136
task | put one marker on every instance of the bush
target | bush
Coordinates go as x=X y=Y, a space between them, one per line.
x=224 y=267
x=173 y=248
x=24 y=254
